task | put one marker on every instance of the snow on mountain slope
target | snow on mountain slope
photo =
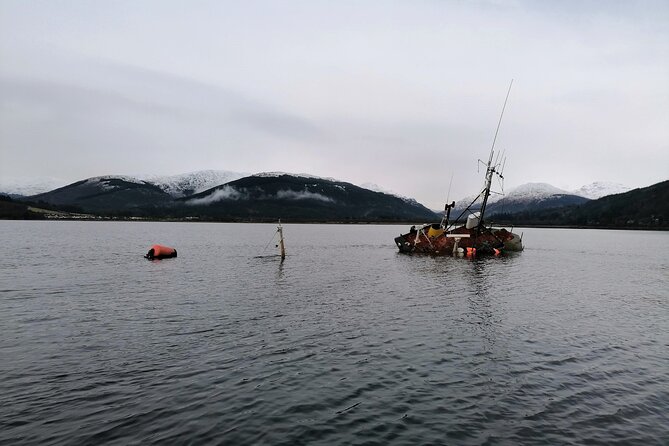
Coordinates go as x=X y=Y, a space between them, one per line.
x=107 y=182
x=538 y=191
x=271 y=195
x=376 y=188
x=600 y=189
x=369 y=186
x=534 y=191
x=525 y=197
x=16 y=186
x=300 y=175
x=107 y=193
x=525 y=192
x=466 y=201
x=193 y=182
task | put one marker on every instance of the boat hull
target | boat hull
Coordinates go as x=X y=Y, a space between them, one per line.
x=459 y=241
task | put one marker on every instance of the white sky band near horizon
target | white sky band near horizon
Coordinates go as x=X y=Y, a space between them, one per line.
x=401 y=94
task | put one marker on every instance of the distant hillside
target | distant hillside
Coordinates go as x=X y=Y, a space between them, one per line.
x=261 y=197
x=647 y=207
x=108 y=194
x=600 y=189
x=14 y=210
x=302 y=197
x=512 y=204
x=528 y=197
x=298 y=197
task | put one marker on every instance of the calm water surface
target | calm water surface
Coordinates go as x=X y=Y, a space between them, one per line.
x=346 y=342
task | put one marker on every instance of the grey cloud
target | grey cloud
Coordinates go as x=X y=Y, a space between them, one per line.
x=399 y=94
x=224 y=193
x=116 y=87
x=302 y=195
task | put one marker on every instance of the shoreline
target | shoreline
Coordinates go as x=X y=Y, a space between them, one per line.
x=60 y=216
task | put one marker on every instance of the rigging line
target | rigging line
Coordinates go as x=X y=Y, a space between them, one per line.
x=500 y=119
x=270 y=241
x=448 y=195
x=490 y=170
x=467 y=209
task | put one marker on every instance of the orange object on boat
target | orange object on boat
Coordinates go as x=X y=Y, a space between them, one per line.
x=161 y=252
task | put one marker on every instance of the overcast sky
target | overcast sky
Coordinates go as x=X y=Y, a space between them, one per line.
x=401 y=94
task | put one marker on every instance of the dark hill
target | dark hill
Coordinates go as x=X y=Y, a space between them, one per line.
x=529 y=198
x=646 y=207
x=302 y=198
x=13 y=210
x=506 y=205
x=108 y=195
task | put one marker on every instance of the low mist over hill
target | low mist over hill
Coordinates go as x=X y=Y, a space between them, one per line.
x=273 y=196
x=231 y=196
x=186 y=184
x=259 y=197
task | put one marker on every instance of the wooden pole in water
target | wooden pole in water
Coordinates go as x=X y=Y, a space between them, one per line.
x=282 y=247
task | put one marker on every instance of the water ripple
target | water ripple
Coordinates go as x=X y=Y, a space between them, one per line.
x=346 y=342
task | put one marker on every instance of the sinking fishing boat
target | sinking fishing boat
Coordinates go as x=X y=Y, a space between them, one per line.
x=475 y=236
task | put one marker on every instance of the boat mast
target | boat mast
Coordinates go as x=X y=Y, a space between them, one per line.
x=491 y=169
x=282 y=247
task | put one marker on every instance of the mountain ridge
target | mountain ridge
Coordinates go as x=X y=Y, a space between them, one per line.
x=521 y=198
x=299 y=196
x=640 y=208
x=184 y=184
x=190 y=183
x=255 y=197
x=280 y=195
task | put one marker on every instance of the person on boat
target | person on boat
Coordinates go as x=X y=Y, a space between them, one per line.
x=447 y=214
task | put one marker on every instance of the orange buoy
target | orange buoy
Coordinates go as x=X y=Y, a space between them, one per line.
x=471 y=251
x=161 y=252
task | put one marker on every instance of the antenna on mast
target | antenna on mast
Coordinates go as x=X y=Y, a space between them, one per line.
x=491 y=169
x=499 y=123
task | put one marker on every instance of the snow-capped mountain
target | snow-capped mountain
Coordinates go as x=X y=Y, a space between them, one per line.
x=534 y=196
x=107 y=193
x=530 y=196
x=600 y=189
x=541 y=191
x=274 y=195
x=376 y=188
x=369 y=186
x=300 y=175
x=185 y=184
x=111 y=182
x=533 y=191
x=16 y=187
